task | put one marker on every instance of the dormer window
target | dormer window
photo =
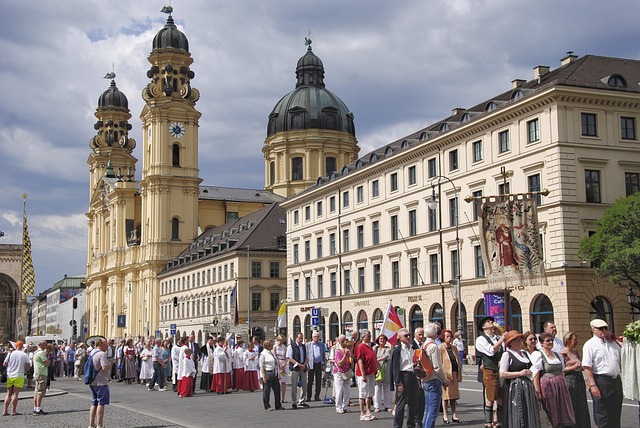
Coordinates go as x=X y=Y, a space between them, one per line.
x=491 y=106
x=517 y=94
x=444 y=127
x=616 y=81
x=465 y=118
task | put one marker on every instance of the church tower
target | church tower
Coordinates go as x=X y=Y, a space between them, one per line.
x=310 y=132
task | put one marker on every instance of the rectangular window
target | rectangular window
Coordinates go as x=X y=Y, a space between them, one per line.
x=256 y=301
x=307 y=213
x=361 y=280
x=320 y=291
x=479 y=263
x=455 y=269
x=533 y=131
x=413 y=223
x=435 y=268
x=360 y=194
x=477 y=150
x=375 y=232
x=347 y=281
x=433 y=220
x=274 y=269
x=360 y=232
x=503 y=189
x=345 y=199
x=453 y=160
x=588 y=122
x=375 y=189
x=376 y=278
x=295 y=253
x=307 y=250
x=256 y=269
x=412 y=175
x=296 y=169
x=332 y=204
x=631 y=183
x=319 y=247
x=319 y=208
x=477 y=203
x=334 y=288
x=394 y=227
x=413 y=266
x=534 y=186
x=395 y=274
x=432 y=167
x=592 y=185
x=332 y=244
x=296 y=217
x=274 y=301
x=628 y=128
x=345 y=240
x=453 y=211
x=307 y=287
x=503 y=141
x=393 y=181
x=296 y=290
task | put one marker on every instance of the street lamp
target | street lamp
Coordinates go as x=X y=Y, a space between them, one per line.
x=634 y=302
x=433 y=204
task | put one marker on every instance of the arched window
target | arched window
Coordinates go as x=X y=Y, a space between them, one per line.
x=516 y=315
x=601 y=309
x=423 y=136
x=373 y=157
x=465 y=118
x=388 y=151
x=175 y=229
x=542 y=311
x=296 y=169
x=478 y=313
x=491 y=106
x=436 y=314
x=175 y=155
x=378 y=319
x=616 y=81
x=416 y=319
x=307 y=326
x=272 y=172
x=329 y=165
x=358 y=163
x=322 y=328
x=454 y=317
x=347 y=321
x=363 y=320
x=334 y=326
x=517 y=94
x=405 y=144
x=444 y=127
x=296 y=326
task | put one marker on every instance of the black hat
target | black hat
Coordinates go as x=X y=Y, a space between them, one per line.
x=484 y=320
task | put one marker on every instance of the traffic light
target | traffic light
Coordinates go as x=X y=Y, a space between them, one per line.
x=75 y=329
x=175 y=302
x=75 y=303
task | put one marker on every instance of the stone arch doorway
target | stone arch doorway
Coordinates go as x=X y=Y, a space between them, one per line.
x=9 y=308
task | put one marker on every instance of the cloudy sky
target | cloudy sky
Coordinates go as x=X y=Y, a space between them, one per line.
x=398 y=65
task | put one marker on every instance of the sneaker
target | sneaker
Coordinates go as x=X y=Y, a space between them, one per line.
x=371 y=417
x=163 y=389
x=41 y=412
x=365 y=418
x=294 y=406
x=340 y=411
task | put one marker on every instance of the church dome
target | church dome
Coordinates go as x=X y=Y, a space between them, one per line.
x=112 y=97
x=310 y=105
x=170 y=37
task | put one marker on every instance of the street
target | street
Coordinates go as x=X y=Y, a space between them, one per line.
x=134 y=406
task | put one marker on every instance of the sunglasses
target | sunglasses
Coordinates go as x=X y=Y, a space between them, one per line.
x=406 y=335
x=548 y=340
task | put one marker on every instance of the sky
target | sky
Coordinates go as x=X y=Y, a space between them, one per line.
x=398 y=65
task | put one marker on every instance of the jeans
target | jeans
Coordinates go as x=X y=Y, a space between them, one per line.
x=158 y=376
x=432 y=399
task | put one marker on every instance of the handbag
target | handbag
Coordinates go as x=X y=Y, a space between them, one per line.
x=380 y=375
x=347 y=375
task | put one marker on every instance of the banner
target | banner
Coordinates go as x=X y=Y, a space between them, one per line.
x=234 y=304
x=510 y=242
x=391 y=325
x=282 y=315
x=28 y=273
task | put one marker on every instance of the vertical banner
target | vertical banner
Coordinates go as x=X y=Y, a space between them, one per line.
x=497 y=304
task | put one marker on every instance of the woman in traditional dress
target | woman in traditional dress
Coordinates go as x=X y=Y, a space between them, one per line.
x=146 y=367
x=453 y=371
x=382 y=398
x=251 y=357
x=186 y=374
x=575 y=380
x=551 y=387
x=129 y=365
x=280 y=351
x=520 y=404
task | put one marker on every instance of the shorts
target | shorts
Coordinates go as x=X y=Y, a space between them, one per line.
x=41 y=386
x=17 y=382
x=491 y=382
x=366 y=389
x=99 y=395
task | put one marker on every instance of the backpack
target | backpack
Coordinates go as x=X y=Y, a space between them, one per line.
x=90 y=371
x=422 y=366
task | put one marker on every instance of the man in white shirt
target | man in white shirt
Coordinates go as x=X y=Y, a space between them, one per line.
x=298 y=361
x=489 y=348
x=17 y=364
x=550 y=327
x=175 y=362
x=405 y=380
x=601 y=363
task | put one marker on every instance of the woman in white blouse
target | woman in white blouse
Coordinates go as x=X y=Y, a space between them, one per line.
x=269 y=374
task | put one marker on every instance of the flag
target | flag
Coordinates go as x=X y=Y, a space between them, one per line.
x=391 y=325
x=282 y=315
x=28 y=274
x=234 y=304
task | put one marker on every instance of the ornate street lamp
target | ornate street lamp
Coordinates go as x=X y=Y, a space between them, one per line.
x=634 y=302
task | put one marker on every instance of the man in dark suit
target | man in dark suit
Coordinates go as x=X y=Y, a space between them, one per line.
x=416 y=343
x=404 y=380
x=195 y=356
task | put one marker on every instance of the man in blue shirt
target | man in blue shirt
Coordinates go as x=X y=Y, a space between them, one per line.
x=315 y=351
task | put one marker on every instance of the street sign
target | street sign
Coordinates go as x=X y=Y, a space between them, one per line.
x=158 y=333
x=315 y=321
x=172 y=329
x=315 y=312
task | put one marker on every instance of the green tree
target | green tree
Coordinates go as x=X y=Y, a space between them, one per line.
x=614 y=248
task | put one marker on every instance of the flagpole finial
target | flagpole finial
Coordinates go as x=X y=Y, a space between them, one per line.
x=24 y=196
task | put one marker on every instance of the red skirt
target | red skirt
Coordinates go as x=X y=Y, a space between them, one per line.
x=221 y=383
x=251 y=379
x=185 y=387
x=240 y=378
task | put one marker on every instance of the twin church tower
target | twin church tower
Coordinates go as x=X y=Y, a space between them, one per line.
x=136 y=227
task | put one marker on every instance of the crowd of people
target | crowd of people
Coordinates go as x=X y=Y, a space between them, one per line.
x=528 y=380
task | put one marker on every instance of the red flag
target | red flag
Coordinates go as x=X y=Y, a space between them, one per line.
x=391 y=325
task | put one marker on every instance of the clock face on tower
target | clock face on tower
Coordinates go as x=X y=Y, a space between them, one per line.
x=176 y=129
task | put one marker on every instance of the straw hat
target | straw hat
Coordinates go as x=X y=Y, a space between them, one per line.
x=512 y=335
